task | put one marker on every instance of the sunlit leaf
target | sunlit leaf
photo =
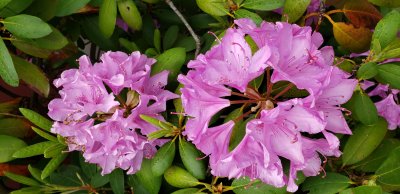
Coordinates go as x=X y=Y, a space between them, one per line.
x=354 y=39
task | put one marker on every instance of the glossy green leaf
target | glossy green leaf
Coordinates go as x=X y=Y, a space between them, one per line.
x=367 y=71
x=245 y=185
x=388 y=172
x=28 y=190
x=186 y=42
x=130 y=14
x=171 y=60
x=392 y=50
x=163 y=158
x=180 y=178
x=192 y=159
x=244 y=13
x=53 y=165
x=54 y=150
x=36 y=119
x=21 y=179
x=376 y=158
x=386 y=29
x=107 y=17
x=33 y=150
x=363 y=109
x=117 y=181
x=213 y=7
x=90 y=26
x=36 y=173
x=44 y=9
x=32 y=75
x=7 y=69
x=27 y=26
x=54 y=41
x=14 y=7
x=332 y=183
x=98 y=180
x=130 y=46
x=364 y=141
x=389 y=74
x=188 y=191
x=264 y=5
x=67 y=7
x=294 y=9
x=147 y=179
x=386 y=3
x=151 y=1
x=16 y=127
x=8 y=145
x=44 y=134
x=170 y=37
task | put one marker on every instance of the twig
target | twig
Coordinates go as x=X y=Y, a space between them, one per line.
x=194 y=35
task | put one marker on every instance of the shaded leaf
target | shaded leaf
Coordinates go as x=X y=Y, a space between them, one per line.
x=388 y=172
x=21 y=179
x=389 y=74
x=8 y=145
x=3 y=3
x=30 y=49
x=32 y=75
x=331 y=184
x=354 y=39
x=163 y=158
x=28 y=190
x=7 y=69
x=14 y=7
x=365 y=189
x=386 y=3
x=245 y=185
x=361 y=13
x=362 y=108
x=364 y=141
x=294 y=9
x=16 y=127
x=147 y=179
x=53 y=165
x=117 y=181
x=67 y=7
x=192 y=159
x=170 y=37
x=99 y=180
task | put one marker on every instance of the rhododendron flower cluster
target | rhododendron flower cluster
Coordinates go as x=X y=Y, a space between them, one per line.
x=94 y=117
x=298 y=127
x=388 y=107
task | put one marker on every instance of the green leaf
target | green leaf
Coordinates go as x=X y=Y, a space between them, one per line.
x=386 y=3
x=264 y=5
x=376 y=158
x=188 y=191
x=88 y=169
x=364 y=141
x=256 y=83
x=186 y=42
x=332 y=183
x=36 y=173
x=389 y=74
x=192 y=159
x=53 y=165
x=14 y=7
x=238 y=132
x=44 y=134
x=33 y=150
x=36 y=119
x=31 y=49
x=98 y=180
x=171 y=60
x=32 y=75
x=147 y=179
x=363 y=190
x=8 y=145
x=170 y=37
x=8 y=106
x=157 y=39
x=108 y=17
x=294 y=9
x=180 y=178
x=386 y=29
x=54 y=41
x=27 y=26
x=90 y=26
x=388 y=172
x=363 y=109
x=163 y=158
x=28 y=190
x=213 y=7
x=117 y=181
x=54 y=150
x=130 y=14
x=21 y=179
x=392 y=50
x=244 y=13
x=7 y=69
x=245 y=185
x=3 y=3
x=44 y=9
x=367 y=71
x=67 y=7
x=130 y=46
x=16 y=127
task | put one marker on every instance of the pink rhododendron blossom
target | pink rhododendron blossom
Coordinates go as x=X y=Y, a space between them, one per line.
x=278 y=126
x=388 y=106
x=108 y=131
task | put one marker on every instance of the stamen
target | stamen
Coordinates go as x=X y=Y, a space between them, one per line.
x=216 y=37
x=243 y=101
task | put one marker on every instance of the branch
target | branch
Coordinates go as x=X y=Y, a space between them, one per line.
x=194 y=35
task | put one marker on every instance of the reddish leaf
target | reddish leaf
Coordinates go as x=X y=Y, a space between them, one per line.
x=356 y=40
x=361 y=13
x=16 y=169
